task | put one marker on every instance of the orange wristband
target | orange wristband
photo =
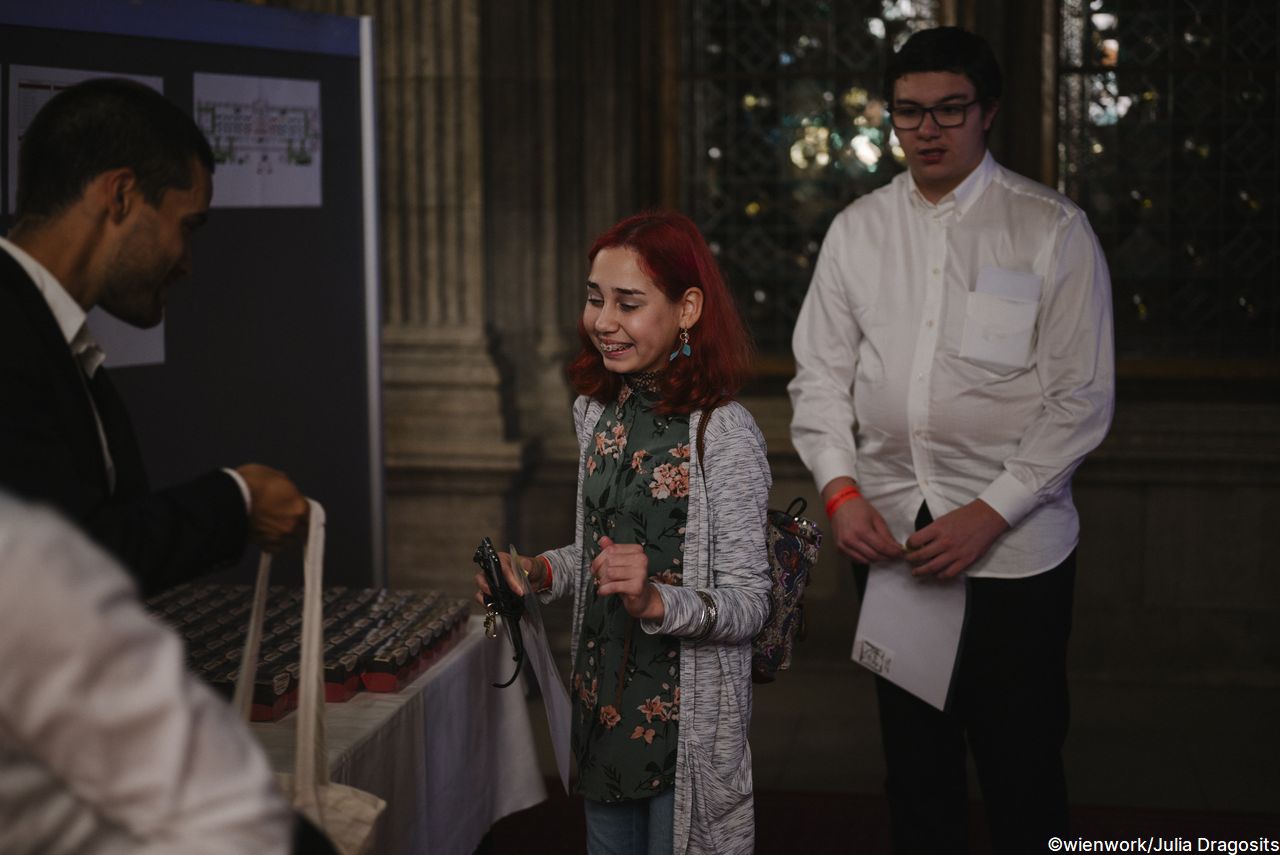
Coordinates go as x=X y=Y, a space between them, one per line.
x=840 y=498
x=547 y=562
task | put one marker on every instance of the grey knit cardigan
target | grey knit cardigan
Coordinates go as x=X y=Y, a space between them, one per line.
x=724 y=555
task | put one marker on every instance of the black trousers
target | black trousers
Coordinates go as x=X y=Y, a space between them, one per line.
x=1009 y=702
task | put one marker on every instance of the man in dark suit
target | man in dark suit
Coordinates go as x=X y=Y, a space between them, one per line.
x=113 y=179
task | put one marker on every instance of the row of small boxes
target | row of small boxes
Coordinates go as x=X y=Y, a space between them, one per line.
x=399 y=635
x=375 y=639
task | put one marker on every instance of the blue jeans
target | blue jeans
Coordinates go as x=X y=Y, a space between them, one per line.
x=641 y=827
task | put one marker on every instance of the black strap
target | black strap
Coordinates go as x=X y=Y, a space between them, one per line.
x=502 y=602
x=702 y=436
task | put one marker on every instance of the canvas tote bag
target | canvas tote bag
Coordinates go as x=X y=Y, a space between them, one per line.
x=345 y=814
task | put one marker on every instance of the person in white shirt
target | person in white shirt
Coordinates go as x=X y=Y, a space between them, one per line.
x=107 y=743
x=954 y=365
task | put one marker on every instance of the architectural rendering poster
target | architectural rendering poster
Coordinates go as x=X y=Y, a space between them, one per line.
x=265 y=134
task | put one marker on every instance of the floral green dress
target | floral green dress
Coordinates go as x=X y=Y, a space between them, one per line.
x=626 y=682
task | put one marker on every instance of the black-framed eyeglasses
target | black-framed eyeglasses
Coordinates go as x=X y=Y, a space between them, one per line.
x=909 y=117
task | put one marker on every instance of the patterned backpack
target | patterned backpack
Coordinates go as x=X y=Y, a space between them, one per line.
x=793 y=542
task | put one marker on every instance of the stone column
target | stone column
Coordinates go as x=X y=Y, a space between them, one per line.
x=450 y=459
x=531 y=174
x=571 y=114
x=509 y=135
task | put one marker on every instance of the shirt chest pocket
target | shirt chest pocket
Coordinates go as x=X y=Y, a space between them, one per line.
x=1000 y=319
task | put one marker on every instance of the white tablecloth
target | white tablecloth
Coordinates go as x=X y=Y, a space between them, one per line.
x=450 y=754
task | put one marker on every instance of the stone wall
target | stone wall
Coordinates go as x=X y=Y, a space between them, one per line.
x=509 y=134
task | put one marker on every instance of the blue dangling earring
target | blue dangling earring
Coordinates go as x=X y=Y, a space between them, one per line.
x=683 y=349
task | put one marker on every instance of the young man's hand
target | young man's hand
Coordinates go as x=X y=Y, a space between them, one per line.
x=949 y=545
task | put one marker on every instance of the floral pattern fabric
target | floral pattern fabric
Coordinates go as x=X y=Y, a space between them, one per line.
x=626 y=682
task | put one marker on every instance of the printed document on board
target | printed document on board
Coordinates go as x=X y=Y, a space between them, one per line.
x=909 y=630
x=30 y=88
x=266 y=137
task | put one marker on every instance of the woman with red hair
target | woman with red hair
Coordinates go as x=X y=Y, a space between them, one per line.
x=669 y=570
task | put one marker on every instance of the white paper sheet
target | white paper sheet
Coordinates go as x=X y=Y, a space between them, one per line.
x=554 y=695
x=265 y=134
x=909 y=630
x=125 y=344
x=30 y=88
x=1010 y=284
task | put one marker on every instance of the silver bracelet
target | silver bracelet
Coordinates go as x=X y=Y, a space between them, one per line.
x=709 y=615
x=703 y=620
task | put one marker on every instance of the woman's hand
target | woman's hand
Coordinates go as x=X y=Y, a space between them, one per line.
x=533 y=570
x=623 y=568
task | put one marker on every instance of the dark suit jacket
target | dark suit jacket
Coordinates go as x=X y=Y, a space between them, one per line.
x=50 y=452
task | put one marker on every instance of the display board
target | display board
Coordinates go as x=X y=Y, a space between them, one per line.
x=270 y=350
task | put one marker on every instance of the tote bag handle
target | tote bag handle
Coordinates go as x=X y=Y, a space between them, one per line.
x=311 y=764
x=346 y=814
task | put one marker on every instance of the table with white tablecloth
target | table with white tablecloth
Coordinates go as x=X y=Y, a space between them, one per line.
x=450 y=753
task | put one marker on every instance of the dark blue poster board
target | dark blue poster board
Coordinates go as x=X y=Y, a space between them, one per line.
x=272 y=344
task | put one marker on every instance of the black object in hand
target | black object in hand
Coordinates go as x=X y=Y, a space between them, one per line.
x=503 y=603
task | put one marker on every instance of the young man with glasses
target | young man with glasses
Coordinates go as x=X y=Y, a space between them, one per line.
x=954 y=365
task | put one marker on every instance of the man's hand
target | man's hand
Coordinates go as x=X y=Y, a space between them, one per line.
x=950 y=544
x=279 y=512
x=623 y=568
x=860 y=531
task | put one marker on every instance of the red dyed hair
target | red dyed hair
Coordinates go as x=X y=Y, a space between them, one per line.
x=673 y=253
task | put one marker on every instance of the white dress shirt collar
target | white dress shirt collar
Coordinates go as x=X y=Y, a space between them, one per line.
x=963 y=196
x=66 y=311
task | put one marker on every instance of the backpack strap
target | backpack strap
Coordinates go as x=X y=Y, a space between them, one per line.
x=702 y=436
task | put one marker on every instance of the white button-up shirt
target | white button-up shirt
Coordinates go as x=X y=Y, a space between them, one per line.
x=107 y=743
x=959 y=351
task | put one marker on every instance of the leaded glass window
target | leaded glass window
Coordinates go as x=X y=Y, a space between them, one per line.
x=1168 y=139
x=786 y=126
